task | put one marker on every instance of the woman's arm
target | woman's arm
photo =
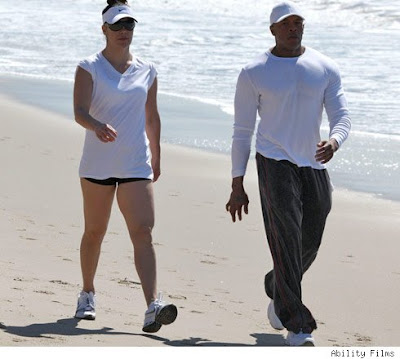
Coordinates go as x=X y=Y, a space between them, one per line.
x=83 y=88
x=153 y=129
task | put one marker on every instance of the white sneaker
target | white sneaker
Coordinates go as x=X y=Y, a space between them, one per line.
x=159 y=313
x=86 y=306
x=300 y=340
x=273 y=318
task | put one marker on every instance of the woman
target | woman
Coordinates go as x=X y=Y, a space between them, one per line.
x=115 y=100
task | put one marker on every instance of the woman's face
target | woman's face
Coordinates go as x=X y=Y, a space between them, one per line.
x=120 y=33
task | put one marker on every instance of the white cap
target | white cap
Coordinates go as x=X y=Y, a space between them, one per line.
x=116 y=13
x=284 y=10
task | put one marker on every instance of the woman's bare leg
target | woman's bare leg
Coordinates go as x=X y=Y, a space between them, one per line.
x=135 y=200
x=97 y=204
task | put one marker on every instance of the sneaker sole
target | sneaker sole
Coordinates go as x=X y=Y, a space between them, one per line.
x=86 y=317
x=275 y=325
x=272 y=322
x=152 y=328
x=308 y=344
x=167 y=314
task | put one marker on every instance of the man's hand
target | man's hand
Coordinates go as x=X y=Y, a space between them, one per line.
x=325 y=150
x=238 y=200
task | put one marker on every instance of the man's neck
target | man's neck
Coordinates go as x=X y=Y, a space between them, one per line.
x=284 y=52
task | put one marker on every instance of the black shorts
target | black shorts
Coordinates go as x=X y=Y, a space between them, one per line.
x=113 y=181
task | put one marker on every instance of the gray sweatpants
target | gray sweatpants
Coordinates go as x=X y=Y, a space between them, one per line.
x=295 y=204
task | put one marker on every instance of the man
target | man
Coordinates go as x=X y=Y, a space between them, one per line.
x=288 y=86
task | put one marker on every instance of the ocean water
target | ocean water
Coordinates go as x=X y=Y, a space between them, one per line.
x=199 y=48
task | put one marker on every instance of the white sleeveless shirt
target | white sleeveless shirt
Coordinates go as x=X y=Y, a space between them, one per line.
x=118 y=100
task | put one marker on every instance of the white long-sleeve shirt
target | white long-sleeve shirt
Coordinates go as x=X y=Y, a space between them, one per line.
x=289 y=94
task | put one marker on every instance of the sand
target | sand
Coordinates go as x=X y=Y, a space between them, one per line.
x=212 y=269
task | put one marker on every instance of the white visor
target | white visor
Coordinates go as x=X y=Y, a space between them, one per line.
x=116 y=13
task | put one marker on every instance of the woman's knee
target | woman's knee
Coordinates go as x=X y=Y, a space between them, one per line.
x=94 y=235
x=141 y=234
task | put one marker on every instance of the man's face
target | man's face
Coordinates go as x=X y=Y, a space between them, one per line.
x=288 y=32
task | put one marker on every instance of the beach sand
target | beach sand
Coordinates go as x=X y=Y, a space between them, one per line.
x=212 y=269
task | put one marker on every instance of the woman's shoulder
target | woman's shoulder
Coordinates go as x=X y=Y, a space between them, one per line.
x=91 y=59
x=141 y=63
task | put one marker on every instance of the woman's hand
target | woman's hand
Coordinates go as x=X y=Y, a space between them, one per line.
x=155 y=164
x=105 y=132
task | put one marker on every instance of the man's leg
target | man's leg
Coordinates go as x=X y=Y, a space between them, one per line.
x=281 y=198
x=317 y=203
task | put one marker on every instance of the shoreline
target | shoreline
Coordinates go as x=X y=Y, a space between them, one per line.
x=212 y=269
x=347 y=169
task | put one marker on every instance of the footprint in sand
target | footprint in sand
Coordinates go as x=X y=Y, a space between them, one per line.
x=349 y=259
x=215 y=257
x=128 y=282
x=30 y=280
x=208 y=262
x=174 y=194
x=236 y=301
x=29 y=238
x=362 y=338
x=47 y=292
x=57 y=281
x=177 y=296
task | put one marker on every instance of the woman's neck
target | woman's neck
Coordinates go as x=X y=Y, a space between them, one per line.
x=121 y=59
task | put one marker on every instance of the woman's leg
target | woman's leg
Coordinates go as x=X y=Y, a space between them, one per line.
x=135 y=200
x=97 y=204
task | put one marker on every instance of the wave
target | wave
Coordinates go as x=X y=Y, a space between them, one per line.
x=224 y=107
x=366 y=15
x=228 y=110
x=39 y=77
x=375 y=135
x=370 y=134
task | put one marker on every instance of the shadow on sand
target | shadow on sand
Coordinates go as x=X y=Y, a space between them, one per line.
x=69 y=327
x=261 y=340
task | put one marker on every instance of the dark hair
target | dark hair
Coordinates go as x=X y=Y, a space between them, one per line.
x=112 y=3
